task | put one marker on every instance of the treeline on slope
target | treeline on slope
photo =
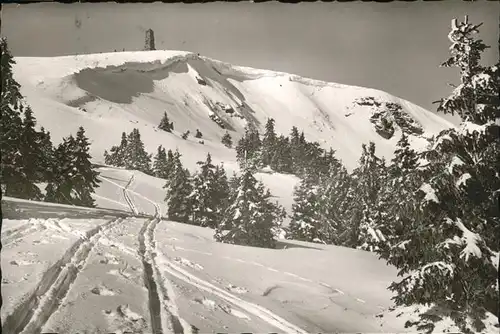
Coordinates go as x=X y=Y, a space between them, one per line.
x=291 y=154
x=29 y=159
x=433 y=214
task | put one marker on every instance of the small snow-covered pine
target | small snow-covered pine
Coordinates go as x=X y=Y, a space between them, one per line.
x=368 y=207
x=222 y=191
x=268 y=143
x=297 y=147
x=165 y=123
x=47 y=159
x=335 y=196
x=227 y=140
x=307 y=222
x=135 y=156
x=251 y=218
x=248 y=149
x=282 y=161
x=178 y=188
x=160 y=163
x=203 y=196
x=116 y=157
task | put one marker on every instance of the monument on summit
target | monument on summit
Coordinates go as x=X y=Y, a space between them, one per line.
x=150 y=40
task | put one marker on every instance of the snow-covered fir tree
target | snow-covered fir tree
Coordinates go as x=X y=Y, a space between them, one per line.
x=227 y=140
x=311 y=160
x=75 y=178
x=268 y=143
x=203 y=196
x=85 y=180
x=160 y=163
x=58 y=190
x=251 y=217
x=307 y=214
x=116 y=157
x=335 y=197
x=222 y=191
x=29 y=159
x=282 y=160
x=368 y=206
x=165 y=123
x=297 y=143
x=178 y=188
x=135 y=156
x=234 y=183
x=249 y=148
x=170 y=163
x=47 y=157
x=399 y=195
x=322 y=202
x=448 y=254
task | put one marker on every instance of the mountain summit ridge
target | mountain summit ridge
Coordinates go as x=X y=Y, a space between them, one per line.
x=115 y=92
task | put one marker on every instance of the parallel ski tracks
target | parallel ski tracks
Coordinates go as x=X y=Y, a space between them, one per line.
x=164 y=317
x=35 y=311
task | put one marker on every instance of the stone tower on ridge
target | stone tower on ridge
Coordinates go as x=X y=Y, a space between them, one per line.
x=150 y=40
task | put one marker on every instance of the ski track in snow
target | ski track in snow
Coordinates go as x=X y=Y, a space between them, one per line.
x=126 y=196
x=163 y=311
x=257 y=310
x=111 y=200
x=129 y=201
x=164 y=314
x=32 y=314
x=160 y=291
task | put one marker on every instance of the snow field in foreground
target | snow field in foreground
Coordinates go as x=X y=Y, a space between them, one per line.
x=109 y=294
x=199 y=284
x=146 y=275
x=30 y=248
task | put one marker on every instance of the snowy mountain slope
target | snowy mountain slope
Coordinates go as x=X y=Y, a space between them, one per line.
x=114 y=92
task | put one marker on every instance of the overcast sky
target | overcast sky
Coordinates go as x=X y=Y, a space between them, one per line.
x=395 y=47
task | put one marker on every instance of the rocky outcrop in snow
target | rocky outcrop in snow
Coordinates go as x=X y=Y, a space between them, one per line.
x=387 y=116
